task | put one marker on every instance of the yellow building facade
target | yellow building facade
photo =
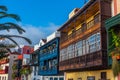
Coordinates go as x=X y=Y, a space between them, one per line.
x=89 y=75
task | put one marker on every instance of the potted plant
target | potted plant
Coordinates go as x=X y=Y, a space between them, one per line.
x=14 y=67
x=115 y=52
x=25 y=71
x=14 y=76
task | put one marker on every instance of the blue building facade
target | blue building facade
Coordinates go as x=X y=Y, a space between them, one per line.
x=49 y=58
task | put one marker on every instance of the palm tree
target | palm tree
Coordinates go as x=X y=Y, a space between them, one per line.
x=8 y=26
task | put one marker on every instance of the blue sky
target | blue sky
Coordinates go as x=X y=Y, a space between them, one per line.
x=41 y=17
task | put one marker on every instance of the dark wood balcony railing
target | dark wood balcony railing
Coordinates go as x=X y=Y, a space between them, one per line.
x=98 y=58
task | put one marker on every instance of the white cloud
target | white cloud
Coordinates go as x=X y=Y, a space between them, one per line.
x=35 y=33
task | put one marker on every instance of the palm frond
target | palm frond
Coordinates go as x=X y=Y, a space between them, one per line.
x=15 y=36
x=7 y=46
x=26 y=39
x=9 y=25
x=13 y=41
x=3 y=7
x=14 y=16
x=2 y=13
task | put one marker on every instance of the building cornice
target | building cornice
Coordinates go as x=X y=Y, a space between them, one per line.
x=112 y=22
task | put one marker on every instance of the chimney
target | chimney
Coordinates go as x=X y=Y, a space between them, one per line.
x=73 y=12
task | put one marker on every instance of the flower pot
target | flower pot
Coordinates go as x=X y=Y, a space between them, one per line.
x=118 y=57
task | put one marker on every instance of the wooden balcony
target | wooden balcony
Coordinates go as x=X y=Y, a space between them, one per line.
x=92 y=26
x=4 y=61
x=5 y=71
x=93 y=60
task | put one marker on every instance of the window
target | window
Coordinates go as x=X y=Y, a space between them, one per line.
x=98 y=42
x=84 y=46
x=103 y=75
x=90 y=24
x=92 y=43
x=84 y=26
x=70 y=51
x=78 y=48
x=96 y=18
x=61 y=78
x=50 y=64
x=51 y=78
x=34 y=73
x=79 y=31
x=35 y=68
x=28 y=51
x=55 y=78
x=91 y=78
x=87 y=45
x=63 y=54
x=54 y=63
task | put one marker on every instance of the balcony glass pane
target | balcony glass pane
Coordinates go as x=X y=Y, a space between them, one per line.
x=51 y=78
x=82 y=47
x=55 y=78
x=61 y=78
